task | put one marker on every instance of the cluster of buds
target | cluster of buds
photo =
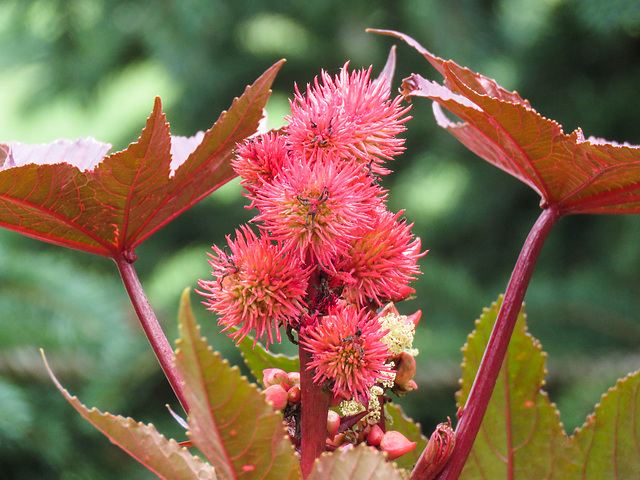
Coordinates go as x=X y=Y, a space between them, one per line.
x=329 y=260
x=282 y=391
x=351 y=422
x=281 y=388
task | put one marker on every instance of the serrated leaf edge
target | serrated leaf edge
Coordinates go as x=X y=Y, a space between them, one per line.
x=83 y=410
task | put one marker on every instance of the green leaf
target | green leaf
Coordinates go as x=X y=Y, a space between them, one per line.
x=259 y=358
x=165 y=458
x=607 y=445
x=359 y=463
x=521 y=436
x=521 y=430
x=229 y=419
x=409 y=429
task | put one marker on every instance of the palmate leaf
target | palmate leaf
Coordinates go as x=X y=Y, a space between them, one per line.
x=608 y=444
x=521 y=436
x=521 y=432
x=359 y=463
x=165 y=458
x=578 y=175
x=229 y=419
x=65 y=193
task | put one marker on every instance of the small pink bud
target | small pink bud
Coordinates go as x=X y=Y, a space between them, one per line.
x=336 y=441
x=403 y=291
x=405 y=368
x=402 y=390
x=375 y=436
x=273 y=376
x=333 y=423
x=293 y=394
x=294 y=378
x=285 y=385
x=415 y=317
x=396 y=444
x=388 y=308
x=277 y=396
x=437 y=453
x=346 y=447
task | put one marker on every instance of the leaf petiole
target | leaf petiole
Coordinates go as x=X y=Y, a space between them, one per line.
x=150 y=325
x=484 y=383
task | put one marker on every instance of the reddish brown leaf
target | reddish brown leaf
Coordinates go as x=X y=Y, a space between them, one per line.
x=166 y=458
x=578 y=175
x=229 y=419
x=359 y=463
x=68 y=194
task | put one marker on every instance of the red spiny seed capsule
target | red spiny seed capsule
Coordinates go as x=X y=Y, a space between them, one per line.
x=277 y=396
x=396 y=444
x=347 y=352
x=347 y=117
x=381 y=261
x=258 y=287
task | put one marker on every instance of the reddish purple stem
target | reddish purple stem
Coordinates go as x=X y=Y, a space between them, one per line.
x=313 y=416
x=485 y=380
x=151 y=326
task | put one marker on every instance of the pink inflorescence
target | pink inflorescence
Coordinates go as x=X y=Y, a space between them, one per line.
x=258 y=287
x=348 y=353
x=327 y=252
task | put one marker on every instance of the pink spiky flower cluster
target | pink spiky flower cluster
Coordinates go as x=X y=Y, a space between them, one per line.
x=328 y=253
x=348 y=352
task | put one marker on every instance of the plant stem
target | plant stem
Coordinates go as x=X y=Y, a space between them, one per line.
x=314 y=404
x=480 y=394
x=151 y=326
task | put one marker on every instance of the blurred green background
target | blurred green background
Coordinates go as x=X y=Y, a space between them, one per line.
x=71 y=68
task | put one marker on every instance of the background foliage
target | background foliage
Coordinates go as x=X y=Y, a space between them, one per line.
x=93 y=67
